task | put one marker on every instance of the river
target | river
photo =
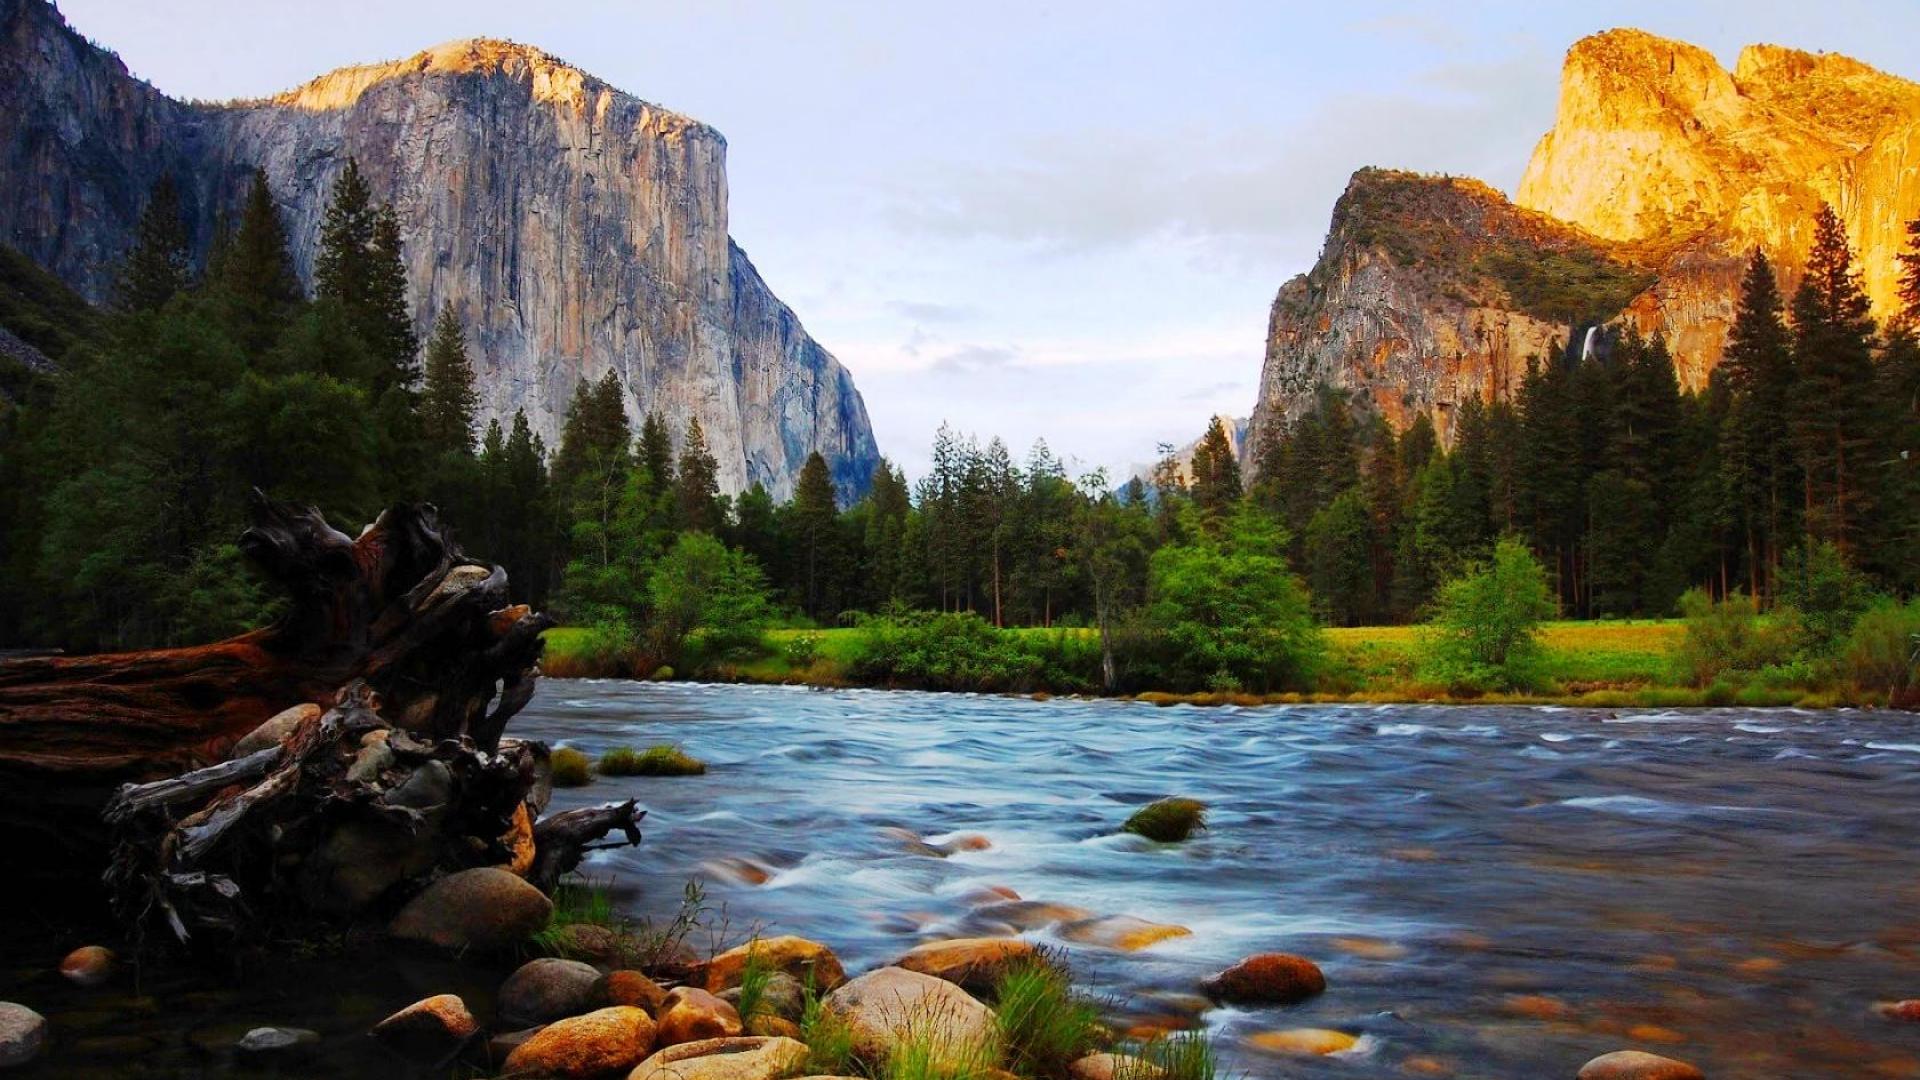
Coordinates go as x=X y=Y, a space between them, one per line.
x=1494 y=892
x=1503 y=891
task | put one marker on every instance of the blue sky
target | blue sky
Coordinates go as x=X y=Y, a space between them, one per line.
x=1031 y=219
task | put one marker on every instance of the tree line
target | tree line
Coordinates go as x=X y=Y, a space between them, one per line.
x=126 y=472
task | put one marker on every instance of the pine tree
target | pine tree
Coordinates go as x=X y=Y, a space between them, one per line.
x=449 y=404
x=360 y=267
x=1216 y=471
x=1756 y=458
x=1833 y=404
x=387 y=324
x=698 y=483
x=815 y=515
x=656 y=454
x=1910 y=274
x=156 y=268
x=257 y=285
x=341 y=269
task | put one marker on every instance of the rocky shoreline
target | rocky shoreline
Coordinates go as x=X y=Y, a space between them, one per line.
x=606 y=1003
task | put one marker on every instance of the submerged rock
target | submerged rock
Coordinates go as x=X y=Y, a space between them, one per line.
x=744 y=1058
x=971 y=963
x=483 y=908
x=428 y=1031
x=22 y=1033
x=88 y=965
x=1306 y=1041
x=694 y=1015
x=890 y=1006
x=548 y=989
x=1637 y=1065
x=808 y=961
x=601 y=1042
x=276 y=1041
x=1168 y=821
x=1122 y=932
x=1267 y=979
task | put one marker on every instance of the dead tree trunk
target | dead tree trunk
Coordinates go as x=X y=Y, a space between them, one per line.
x=417 y=661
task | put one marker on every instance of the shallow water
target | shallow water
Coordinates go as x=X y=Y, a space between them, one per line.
x=1503 y=891
x=1732 y=887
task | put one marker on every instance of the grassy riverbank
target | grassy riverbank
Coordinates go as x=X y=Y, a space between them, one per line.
x=1613 y=663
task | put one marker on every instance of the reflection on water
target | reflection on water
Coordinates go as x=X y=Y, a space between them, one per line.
x=1493 y=892
x=1507 y=891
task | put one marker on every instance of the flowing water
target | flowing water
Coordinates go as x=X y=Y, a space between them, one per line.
x=1493 y=892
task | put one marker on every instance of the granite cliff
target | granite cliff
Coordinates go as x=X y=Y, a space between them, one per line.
x=1661 y=172
x=575 y=229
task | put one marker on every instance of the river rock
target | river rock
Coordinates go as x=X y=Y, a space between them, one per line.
x=970 y=963
x=694 y=1015
x=501 y=1046
x=626 y=987
x=891 y=1005
x=808 y=961
x=768 y=1024
x=484 y=908
x=1900 y=1010
x=264 y=1042
x=1026 y=914
x=1114 y=1067
x=600 y=1042
x=1267 y=979
x=275 y=730
x=1122 y=932
x=744 y=1058
x=544 y=990
x=429 y=1031
x=88 y=965
x=1637 y=1065
x=782 y=996
x=1305 y=1041
x=22 y=1032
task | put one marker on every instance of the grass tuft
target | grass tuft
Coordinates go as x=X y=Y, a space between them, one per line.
x=571 y=768
x=1186 y=1055
x=754 y=977
x=1168 y=821
x=662 y=760
x=1043 y=1026
x=829 y=1040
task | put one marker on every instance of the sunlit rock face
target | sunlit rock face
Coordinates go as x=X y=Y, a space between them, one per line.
x=1406 y=309
x=574 y=228
x=1662 y=172
x=1657 y=146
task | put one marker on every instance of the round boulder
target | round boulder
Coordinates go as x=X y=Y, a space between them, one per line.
x=275 y=730
x=484 y=908
x=745 y=1058
x=1267 y=979
x=429 y=1031
x=548 y=989
x=601 y=1042
x=88 y=965
x=891 y=1006
x=970 y=963
x=1303 y=1041
x=1636 y=1065
x=808 y=961
x=625 y=987
x=693 y=1015
x=781 y=996
x=22 y=1033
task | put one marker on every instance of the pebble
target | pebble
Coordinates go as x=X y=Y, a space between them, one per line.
x=22 y=1032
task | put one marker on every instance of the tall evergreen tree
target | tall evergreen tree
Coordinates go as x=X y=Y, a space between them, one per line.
x=1756 y=457
x=257 y=286
x=449 y=403
x=156 y=267
x=1216 y=471
x=697 y=484
x=815 y=515
x=1833 y=404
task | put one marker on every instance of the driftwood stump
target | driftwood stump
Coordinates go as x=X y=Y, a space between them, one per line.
x=415 y=659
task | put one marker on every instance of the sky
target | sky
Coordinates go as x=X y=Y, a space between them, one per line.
x=1029 y=219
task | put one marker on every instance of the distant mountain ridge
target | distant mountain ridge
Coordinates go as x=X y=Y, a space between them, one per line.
x=1639 y=208
x=574 y=228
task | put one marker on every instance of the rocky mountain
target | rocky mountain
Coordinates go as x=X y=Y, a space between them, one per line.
x=1662 y=171
x=574 y=228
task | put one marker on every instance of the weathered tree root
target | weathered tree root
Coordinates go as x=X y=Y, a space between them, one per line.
x=418 y=661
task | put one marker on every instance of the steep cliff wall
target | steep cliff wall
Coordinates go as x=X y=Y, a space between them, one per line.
x=1430 y=290
x=574 y=228
x=1662 y=171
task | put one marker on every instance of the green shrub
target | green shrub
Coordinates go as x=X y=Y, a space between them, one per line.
x=602 y=650
x=1225 y=609
x=1168 y=821
x=702 y=585
x=1829 y=594
x=1879 y=653
x=662 y=760
x=962 y=651
x=1043 y=1026
x=802 y=649
x=1485 y=633
x=1730 y=637
x=571 y=768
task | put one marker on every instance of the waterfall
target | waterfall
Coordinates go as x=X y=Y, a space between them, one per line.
x=1586 y=347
